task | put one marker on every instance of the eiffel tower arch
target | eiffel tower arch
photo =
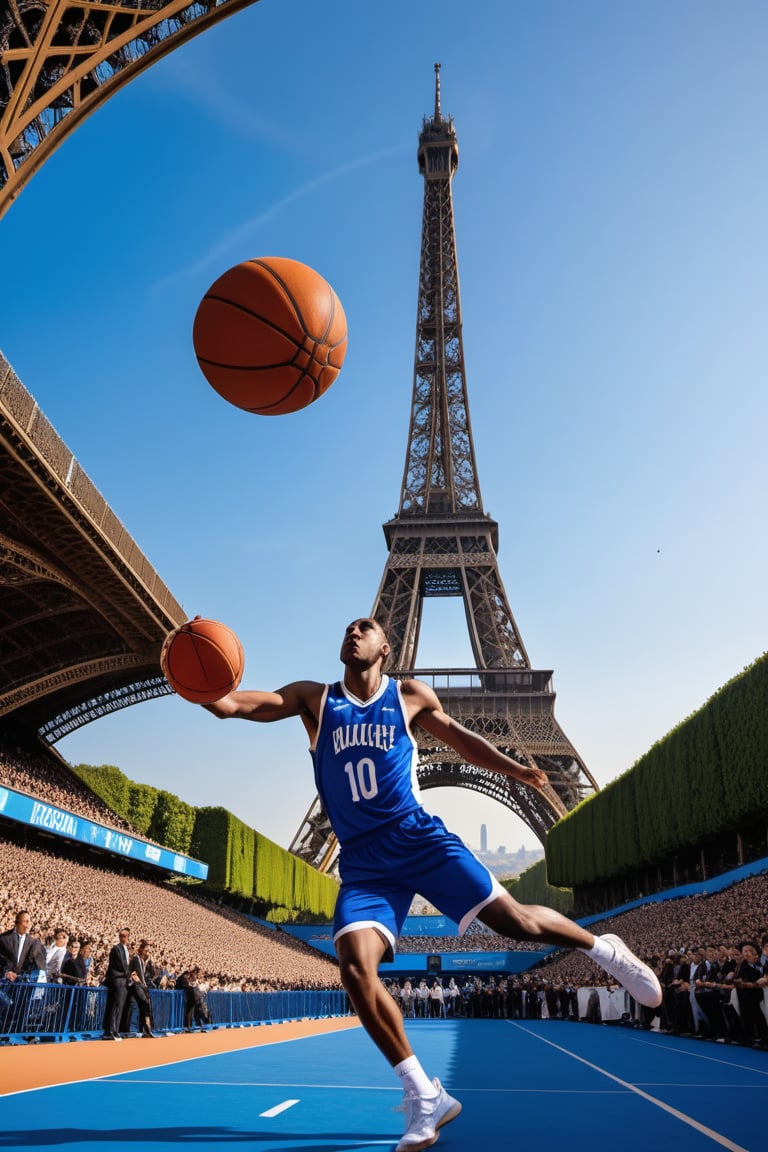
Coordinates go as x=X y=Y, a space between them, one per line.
x=442 y=543
x=60 y=60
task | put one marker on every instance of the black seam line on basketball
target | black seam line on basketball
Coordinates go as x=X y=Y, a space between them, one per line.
x=265 y=320
x=313 y=359
x=289 y=294
x=249 y=367
x=332 y=309
x=201 y=665
x=284 y=397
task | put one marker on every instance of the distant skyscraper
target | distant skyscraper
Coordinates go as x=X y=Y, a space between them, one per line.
x=483 y=838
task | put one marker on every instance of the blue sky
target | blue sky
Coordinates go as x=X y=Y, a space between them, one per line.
x=613 y=252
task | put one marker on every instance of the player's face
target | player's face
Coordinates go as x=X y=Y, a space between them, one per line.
x=364 y=643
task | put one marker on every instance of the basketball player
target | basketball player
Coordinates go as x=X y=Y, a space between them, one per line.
x=365 y=754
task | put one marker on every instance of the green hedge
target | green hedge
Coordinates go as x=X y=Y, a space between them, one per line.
x=532 y=887
x=240 y=860
x=707 y=776
x=154 y=813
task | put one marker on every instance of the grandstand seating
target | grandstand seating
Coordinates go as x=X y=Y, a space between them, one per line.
x=46 y=779
x=93 y=897
x=59 y=889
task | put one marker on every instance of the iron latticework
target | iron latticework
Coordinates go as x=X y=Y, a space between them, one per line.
x=83 y=614
x=59 y=60
x=442 y=543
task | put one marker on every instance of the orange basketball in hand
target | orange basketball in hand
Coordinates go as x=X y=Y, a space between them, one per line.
x=270 y=335
x=202 y=660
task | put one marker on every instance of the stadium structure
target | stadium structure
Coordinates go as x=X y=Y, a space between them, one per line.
x=83 y=613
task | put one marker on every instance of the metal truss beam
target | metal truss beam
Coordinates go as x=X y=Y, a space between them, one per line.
x=60 y=60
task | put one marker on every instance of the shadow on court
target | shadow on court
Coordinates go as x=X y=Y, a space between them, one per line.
x=193 y=1134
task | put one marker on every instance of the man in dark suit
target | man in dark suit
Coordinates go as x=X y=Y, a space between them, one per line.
x=140 y=974
x=195 y=1005
x=22 y=956
x=18 y=949
x=117 y=980
x=707 y=981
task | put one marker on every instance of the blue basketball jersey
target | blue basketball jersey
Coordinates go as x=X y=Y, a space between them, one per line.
x=365 y=760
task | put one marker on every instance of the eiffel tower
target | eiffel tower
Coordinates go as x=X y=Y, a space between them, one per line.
x=442 y=543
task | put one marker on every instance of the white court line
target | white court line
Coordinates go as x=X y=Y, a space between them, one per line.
x=699 y=1056
x=706 y=1087
x=278 y=1108
x=705 y=1131
x=112 y=1077
x=363 y=1087
x=119 y=1079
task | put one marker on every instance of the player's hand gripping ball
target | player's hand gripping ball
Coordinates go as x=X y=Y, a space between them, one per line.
x=270 y=335
x=202 y=660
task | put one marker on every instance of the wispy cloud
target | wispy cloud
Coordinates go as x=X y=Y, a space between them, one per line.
x=182 y=74
x=232 y=240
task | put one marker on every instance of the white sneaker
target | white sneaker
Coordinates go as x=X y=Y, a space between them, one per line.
x=424 y=1115
x=637 y=978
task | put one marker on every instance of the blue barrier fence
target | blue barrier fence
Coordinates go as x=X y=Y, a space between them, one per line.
x=32 y=1012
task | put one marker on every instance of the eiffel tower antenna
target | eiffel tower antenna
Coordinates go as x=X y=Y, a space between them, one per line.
x=442 y=543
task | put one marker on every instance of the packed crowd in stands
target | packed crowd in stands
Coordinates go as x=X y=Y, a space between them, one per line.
x=92 y=903
x=477 y=938
x=52 y=783
x=714 y=985
x=730 y=917
x=698 y=945
x=490 y=997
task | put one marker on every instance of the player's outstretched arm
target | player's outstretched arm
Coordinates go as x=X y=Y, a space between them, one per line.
x=425 y=709
x=296 y=699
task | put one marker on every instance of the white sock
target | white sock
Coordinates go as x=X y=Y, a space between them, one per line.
x=413 y=1078
x=601 y=952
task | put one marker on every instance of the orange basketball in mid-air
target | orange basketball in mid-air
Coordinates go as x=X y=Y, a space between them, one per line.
x=270 y=335
x=202 y=660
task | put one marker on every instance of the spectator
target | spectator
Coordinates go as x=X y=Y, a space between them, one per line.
x=728 y=962
x=749 y=992
x=138 y=991
x=763 y=958
x=195 y=1006
x=452 y=999
x=17 y=948
x=77 y=966
x=55 y=955
x=707 y=985
x=117 y=980
x=407 y=1000
x=436 y=1000
x=422 y=999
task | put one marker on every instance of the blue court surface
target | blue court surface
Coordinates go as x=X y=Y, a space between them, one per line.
x=524 y=1085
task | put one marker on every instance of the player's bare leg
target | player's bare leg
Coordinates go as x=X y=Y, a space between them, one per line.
x=426 y=1104
x=360 y=953
x=539 y=923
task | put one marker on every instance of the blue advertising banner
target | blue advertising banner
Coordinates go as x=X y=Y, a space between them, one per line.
x=26 y=810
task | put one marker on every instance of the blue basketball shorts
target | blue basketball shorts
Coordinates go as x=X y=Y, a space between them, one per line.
x=381 y=874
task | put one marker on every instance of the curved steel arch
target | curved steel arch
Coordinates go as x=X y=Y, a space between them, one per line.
x=539 y=815
x=60 y=60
